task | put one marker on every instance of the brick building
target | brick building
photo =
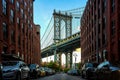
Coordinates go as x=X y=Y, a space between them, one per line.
x=17 y=29
x=36 y=44
x=100 y=31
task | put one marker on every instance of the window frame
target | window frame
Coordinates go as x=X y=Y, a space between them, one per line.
x=4 y=7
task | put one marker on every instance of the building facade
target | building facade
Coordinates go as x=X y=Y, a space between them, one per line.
x=100 y=31
x=36 y=44
x=16 y=29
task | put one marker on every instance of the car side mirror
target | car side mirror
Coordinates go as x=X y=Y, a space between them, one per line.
x=106 y=67
x=20 y=66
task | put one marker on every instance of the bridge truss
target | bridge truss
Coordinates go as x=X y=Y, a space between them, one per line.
x=62 y=34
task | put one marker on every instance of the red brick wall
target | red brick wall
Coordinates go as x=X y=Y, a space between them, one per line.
x=24 y=30
x=36 y=44
x=94 y=33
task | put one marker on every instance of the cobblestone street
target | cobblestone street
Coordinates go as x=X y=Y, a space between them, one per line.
x=60 y=76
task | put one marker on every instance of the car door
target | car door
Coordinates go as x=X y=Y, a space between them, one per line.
x=99 y=72
x=83 y=71
x=24 y=70
x=0 y=71
x=106 y=71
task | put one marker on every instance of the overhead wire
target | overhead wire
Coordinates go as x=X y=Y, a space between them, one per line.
x=73 y=12
x=47 y=28
x=47 y=35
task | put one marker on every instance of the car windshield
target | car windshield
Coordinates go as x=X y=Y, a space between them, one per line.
x=9 y=63
x=89 y=65
x=32 y=66
x=74 y=70
x=103 y=64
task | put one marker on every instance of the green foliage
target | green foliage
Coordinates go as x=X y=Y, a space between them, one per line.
x=53 y=65
x=79 y=65
x=66 y=70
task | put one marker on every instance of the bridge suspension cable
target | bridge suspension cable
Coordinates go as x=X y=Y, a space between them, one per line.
x=47 y=27
x=48 y=36
x=76 y=10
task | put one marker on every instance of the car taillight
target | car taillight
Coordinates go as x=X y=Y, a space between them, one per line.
x=14 y=71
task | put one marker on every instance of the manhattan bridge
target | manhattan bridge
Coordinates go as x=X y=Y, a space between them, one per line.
x=62 y=35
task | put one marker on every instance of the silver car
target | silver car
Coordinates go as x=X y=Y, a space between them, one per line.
x=16 y=70
x=1 y=71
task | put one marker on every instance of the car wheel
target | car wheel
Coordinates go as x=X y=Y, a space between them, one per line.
x=18 y=77
x=82 y=75
x=28 y=77
x=87 y=74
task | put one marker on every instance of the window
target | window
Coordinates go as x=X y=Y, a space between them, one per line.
x=112 y=5
x=5 y=48
x=5 y=31
x=18 y=22
x=28 y=10
x=13 y=36
x=103 y=39
x=99 y=43
x=98 y=2
x=113 y=27
x=22 y=27
x=31 y=15
x=13 y=51
x=104 y=23
x=25 y=5
x=4 y=6
x=104 y=5
x=22 y=13
x=19 y=40
x=11 y=15
x=25 y=17
x=31 y=5
x=98 y=27
x=95 y=4
x=12 y=1
x=98 y=13
x=31 y=25
x=28 y=22
x=17 y=6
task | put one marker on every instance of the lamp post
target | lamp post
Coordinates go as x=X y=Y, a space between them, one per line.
x=75 y=55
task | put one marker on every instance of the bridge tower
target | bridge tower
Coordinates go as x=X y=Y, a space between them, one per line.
x=58 y=18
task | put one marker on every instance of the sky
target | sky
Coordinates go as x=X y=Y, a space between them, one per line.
x=63 y=62
x=43 y=10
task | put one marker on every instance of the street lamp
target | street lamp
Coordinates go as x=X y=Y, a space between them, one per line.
x=75 y=55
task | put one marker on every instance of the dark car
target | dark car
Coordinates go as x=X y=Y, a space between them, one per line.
x=16 y=70
x=108 y=71
x=69 y=72
x=48 y=71
x=42 y=71
x=88 y=70
x=1 y=71
x=34 y=70
x=74 y=72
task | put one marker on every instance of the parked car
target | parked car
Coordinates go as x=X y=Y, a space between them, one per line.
x=34 y=70
x=69 y=72
x=108 y=71
x=48 y=71
x=88 y=70
x=42 y=71
x=1 y=71
x=16 y=70
x=73 y=72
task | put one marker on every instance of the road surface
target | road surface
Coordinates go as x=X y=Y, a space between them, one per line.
x=60 y=76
